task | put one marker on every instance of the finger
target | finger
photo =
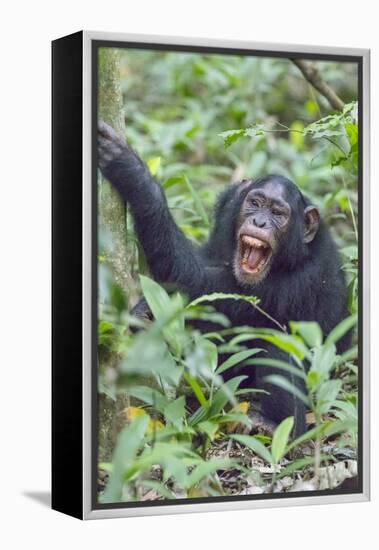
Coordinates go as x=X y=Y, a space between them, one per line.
x=103 y=128
x=108 y=132
x=111 y=148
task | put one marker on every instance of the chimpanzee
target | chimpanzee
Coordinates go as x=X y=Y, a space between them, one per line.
x=267 y=241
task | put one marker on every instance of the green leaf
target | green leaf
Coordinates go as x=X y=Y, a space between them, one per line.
x=153 y=165
x=210 y=353
x=202 y=314
x=161 y=453
x=201 y=358
x=108 y=391
x=339 y=426
x=197 y=201
x=158 y=487
x=174 y=412
x=288 y=343
x=225 y=394
x=175 y=468
x=255 y=130
x=204 y=469
x=196 y=389
x=209 y=427
x=255 y=445
x=299 y=465
x=170 y=182
x=223 y=296
x=349 y=407
x=163 y=307
x=104 y=327
x=232 y=417
x=236 y=358
x=214 y=336
x=107 y=466
x=150 y=396
x=350 y=252
x=198 y=416
x=148 y=350
x=312 y=379
x=245 y=391
x=327 y=395
x=281 y=365
x=310 y=332
x=280 y=439
x=310 y=434
x=311 y=106
x=117 y=297
x=323 y=361
x=128 y=444
x=341 y=329
x=155 y=295
x=230 y=136
x=296 y=134
x=338 y=161
x=286 y=385
x=352 y=133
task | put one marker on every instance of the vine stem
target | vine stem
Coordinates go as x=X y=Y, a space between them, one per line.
x=272 y=319
x=317 y=449
x=249 y=300
x=351 y=210
x=313 y=76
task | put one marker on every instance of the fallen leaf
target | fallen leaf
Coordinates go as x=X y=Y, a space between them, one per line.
x=131 y=413
x=240 y=408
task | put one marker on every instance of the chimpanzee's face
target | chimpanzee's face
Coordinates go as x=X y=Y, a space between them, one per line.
x=264 y=219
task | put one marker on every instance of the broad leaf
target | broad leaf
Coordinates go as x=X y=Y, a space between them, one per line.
x=174 y=412
x=236 y=358
x=309 y=331
x=280 y=439
x=125 y=452
x=255 y=445
x=286 y=385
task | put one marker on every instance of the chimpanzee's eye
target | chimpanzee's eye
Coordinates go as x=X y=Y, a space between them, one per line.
x=276 y=212
x=253 y=202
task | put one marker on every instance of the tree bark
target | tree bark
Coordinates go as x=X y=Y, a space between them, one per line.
x=312 y=75
x=112 y=209
x=112 y=217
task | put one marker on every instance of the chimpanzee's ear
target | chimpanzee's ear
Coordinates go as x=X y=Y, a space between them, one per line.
x=312 y=222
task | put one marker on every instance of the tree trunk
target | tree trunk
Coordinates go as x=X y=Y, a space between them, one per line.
x=112 y=209
x=112 y=217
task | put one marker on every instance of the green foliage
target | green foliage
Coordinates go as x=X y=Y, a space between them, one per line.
x=180 y=108
x=186 y=363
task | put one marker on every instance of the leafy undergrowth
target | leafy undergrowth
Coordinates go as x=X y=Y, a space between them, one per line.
x=189 y=433
x=231 y=468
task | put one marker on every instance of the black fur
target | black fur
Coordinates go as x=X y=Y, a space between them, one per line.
x=305 y=281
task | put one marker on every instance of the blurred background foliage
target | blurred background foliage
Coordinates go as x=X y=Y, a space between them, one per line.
x=202 y=122
x=177 y=104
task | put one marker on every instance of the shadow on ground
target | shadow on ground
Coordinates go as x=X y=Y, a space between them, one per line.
x=42 y=497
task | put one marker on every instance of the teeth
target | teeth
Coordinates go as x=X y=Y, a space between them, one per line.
x=252 y=241
x=248 y=244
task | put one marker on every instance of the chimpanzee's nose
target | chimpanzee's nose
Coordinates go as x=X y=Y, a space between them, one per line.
x=259 y=220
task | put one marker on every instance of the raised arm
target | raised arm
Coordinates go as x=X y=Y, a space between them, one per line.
x=170 y=255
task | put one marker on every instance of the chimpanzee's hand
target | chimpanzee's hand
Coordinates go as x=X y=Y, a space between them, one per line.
x=123 y=168
x=111 y=146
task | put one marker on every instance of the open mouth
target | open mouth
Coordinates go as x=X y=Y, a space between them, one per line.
x=254 y=254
